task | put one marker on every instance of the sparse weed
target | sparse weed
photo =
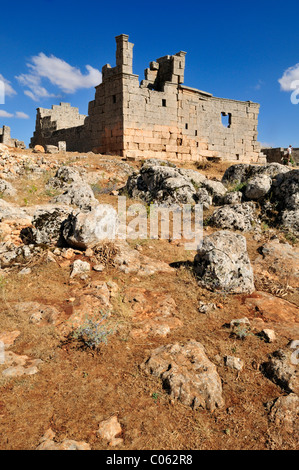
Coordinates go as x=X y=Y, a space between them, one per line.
x=93 y=333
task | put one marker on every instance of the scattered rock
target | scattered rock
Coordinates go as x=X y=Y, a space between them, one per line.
x=269 y=335
x=25 y=272
x=153 y=313
x=8 y=338
x=52 y=149
x=284 y=412
x=278 y=261
x=283 y=368
x=187 y=374
x=243 y=172
x=234 y=363
x=131 y=261
x=80 y=267
x=99 y=267
x=47 y=225
x=170 y=185
x=206 y=308
x=234 y=197
x=6 y=188
x=48 y=442
x=19 y=365
x=38 y=149
x=109 y=430
x=222 y=263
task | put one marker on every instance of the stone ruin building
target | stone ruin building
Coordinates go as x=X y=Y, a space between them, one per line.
x=157 y=118
x=6 y=139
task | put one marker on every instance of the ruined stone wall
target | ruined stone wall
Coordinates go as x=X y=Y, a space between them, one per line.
x=159 y=117
x=60 y=117
x=274 y=155
x=6 y=139
x=180 y=123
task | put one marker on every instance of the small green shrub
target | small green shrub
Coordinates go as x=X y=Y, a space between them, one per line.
x=93 y=333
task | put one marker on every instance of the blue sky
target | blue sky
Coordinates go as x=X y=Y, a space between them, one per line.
x=53 y=51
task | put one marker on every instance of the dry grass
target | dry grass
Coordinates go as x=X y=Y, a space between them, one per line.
x=75 y=389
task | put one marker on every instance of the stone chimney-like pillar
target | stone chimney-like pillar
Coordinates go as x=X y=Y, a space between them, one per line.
x=124 y=54
x=6 y=136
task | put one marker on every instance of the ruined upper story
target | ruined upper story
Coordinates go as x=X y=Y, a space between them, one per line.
x=60 y=116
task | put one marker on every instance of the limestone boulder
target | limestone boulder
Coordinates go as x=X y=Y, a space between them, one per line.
x=285 y=189
x=235 y=217
x=242 y=173
x=290 y=221
x=284 y=412
x=232 y=197
x=47 y=224
x=282 y=368
x=64 y=176
x=258 y=187
x=84 y=229
x=78 y=194
x=6 y=188
x=52 y=149
x=187 y=374
x=222 y=263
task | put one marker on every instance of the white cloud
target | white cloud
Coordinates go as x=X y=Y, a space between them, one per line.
x=18 y=114
x=9 y=91
x=33 y=82
x=67 y=78
x=5 y=114
x=259 y=85
x=289 y=78
x=22 y=115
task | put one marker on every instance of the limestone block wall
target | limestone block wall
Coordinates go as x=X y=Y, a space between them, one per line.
x=159 y=117
x=180 y=123
x=62 y=116
x=6 y=139
x=274 y=155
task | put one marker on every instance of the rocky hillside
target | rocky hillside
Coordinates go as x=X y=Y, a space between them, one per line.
x=139 y=343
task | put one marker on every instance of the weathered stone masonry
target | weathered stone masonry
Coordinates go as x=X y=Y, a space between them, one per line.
x=159 y=117
x=6 y=139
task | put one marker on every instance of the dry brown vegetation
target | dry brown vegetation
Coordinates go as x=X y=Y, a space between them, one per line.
x=76 y=388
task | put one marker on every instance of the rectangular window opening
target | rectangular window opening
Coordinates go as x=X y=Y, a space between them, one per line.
x=114 y=98
x=226 y=119
x=196 y=133
x=164 y=103
x=186 y=125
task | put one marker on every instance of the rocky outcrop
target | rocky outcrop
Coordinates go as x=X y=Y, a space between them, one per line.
x=168 y=185
x=187 y=374
x=242 y=173
x=76 y=192
x=47 y=225
x=235 y=217
x=6 y=188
